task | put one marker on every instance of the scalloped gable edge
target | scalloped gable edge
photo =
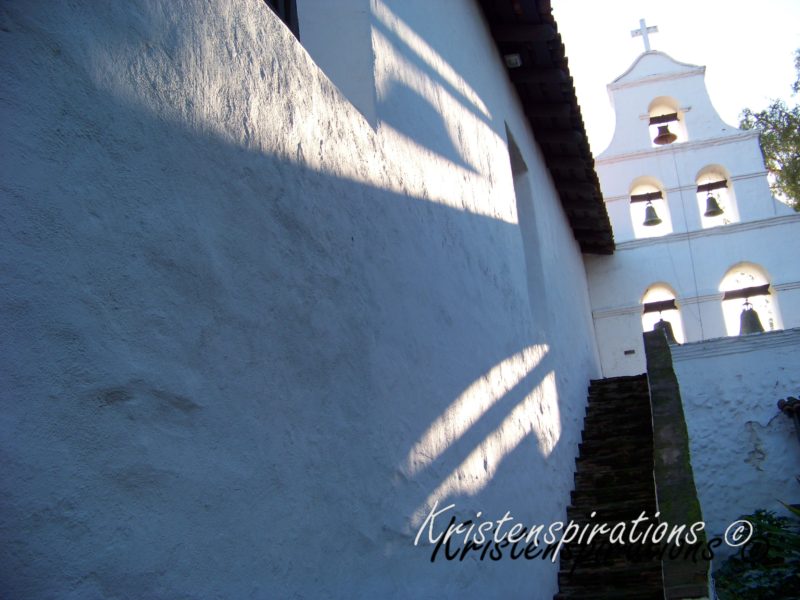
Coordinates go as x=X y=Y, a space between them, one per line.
x=687 y=66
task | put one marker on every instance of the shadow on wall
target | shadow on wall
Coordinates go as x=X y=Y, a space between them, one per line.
x=427 y=128
x=433 y=55
x=220 y=363
x=417 y=113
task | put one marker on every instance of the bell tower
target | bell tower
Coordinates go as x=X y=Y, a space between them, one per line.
x=689 y=201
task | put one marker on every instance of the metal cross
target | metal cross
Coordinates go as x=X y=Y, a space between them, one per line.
x=643 y=31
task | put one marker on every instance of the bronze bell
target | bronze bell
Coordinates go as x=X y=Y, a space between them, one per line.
x=749 y=321
x=666 y=327
x=650 y=216
x=665 y=136
x=713 y=208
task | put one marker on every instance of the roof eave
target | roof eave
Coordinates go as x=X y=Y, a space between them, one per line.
x=547 y=95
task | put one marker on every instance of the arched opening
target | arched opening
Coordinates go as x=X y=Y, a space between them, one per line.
x=666 y=125
x=659 y=304
x=649 y=209
x=746 y=287
x=715 y=197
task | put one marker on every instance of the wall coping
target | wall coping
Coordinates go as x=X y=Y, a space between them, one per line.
x=711 y=231
x=736 y=344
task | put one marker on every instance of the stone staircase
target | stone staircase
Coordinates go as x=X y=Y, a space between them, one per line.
x=614 y=478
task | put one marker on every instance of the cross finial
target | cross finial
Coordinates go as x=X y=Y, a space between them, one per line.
x=643 y=31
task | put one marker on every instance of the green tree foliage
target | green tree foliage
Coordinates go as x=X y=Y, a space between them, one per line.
x=768 y=567
x=779 y=127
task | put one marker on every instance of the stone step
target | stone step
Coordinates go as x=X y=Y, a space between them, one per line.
x=614 y=416
x=594 y=493
x=612 y=595
x=619 y=398
x=601 y=591
x=614 y=479
x=589 y=496
x=623 y=595
x=617 y=381
x=625 y=388
x=624 y=407
x=635 y=393
x=634 y=576
x=628 y=427
x=619 y=443
x=612 y=459
x=612 y=513
x=619 y=571
x=576 y=565
x=617 y=472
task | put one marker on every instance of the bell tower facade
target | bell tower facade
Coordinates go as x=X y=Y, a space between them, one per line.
x=699 y=236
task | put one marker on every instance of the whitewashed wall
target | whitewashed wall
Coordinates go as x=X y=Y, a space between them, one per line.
x=745 y=453
x=653 y=75
x=690 y=260
x=250 y=336
x=694 y=265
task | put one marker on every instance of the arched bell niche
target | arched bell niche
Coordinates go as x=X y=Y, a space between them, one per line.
x=659 y=306
x=746 y=288
x=666 y=124
x=649 y=208
x=716 y=200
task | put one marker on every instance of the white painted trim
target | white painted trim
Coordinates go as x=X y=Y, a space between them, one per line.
x=711 y=231
x=691 y=187
x=700 y=299
x=605 y=313
x=689 y=146
x=785 y=287
x=690 y=66
x=656 y=78
x=618 y=311
x=736 y=344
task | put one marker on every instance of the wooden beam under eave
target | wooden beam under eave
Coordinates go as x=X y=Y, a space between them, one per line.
x=548 y=75
x=568 y=137
x=521 y=33
x=557 y=151
x=582 y=206
x=570 y=169
x=592 y=233
x=576 y=187
x=586 y=223
x=557 y=110
x=601 y=249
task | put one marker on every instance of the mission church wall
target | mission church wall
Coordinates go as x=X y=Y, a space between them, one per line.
x=687 y=252
x=253 y=333
x=744 y=451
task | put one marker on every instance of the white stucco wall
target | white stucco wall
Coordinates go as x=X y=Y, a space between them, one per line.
x=251 y=336
x=654 y=75
x=744 y=452
x=631 y=154
x=338 y=36
x=694 y=266
x=676 y=168
x=690 y=260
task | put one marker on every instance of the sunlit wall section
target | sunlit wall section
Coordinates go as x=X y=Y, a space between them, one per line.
x=261 y=332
